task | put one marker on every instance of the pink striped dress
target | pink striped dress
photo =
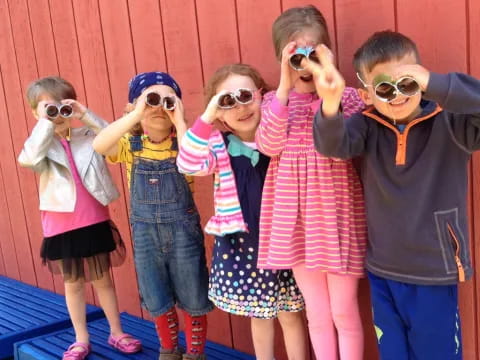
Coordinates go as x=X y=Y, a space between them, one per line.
x=312 y=206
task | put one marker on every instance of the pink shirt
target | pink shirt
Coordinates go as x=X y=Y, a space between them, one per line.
x=88 y=210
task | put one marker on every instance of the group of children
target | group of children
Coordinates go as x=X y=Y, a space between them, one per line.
x=291 y=212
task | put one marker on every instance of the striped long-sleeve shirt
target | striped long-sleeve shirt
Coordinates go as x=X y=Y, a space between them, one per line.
x=312 y=206
x=203 y=152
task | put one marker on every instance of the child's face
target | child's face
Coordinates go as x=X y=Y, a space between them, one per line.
x=61 y=124
x=155 y=119
x=242 y=119
x=401 y=109
x=304 y=80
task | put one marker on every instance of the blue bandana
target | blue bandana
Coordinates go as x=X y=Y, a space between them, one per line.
x=143 y=80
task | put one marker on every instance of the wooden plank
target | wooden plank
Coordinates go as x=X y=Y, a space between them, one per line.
x=4 y=224
x=118 y=50
x=468 y=296
x=66 y=44
x=147 y=35
x=440 y=32
x=375 y=16
x=242 y=335
x=10 y=148
x=474 y=69
x=182 y=52
x=27 y=72
x=42 y=35
x=474 y=37
x=217 y=47
x=9 y=265
x=255 y=21
x=96 y=80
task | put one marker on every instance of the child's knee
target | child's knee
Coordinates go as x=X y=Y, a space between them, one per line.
x=290 y=319
x=347 y=321
x=105 y=282
x=74 y=287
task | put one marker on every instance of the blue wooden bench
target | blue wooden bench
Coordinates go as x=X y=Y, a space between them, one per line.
x=52 y=346
x=27 y=311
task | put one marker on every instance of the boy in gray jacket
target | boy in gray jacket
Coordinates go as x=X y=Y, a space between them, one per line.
x=415 y=141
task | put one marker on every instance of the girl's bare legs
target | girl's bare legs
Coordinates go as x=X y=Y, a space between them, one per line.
x=263 y=333
x=108 y=301
x=75 y=299
x=294 y=334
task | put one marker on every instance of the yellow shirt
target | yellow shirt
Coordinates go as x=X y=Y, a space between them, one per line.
x=150 y=151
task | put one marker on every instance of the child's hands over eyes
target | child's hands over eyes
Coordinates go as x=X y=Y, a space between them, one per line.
x=329 y=83
x=141 y=109
x=177 y=115
x=416 y=71
x=79 y=109
x=213 y=112
x=41 y=110
x=288 y=76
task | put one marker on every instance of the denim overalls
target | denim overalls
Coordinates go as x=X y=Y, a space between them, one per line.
x=168 y=240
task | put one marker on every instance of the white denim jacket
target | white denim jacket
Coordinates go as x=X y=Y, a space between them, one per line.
x=44 y=153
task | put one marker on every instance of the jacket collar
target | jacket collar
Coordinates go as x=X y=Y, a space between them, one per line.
x=82 y=151
x=429 y=109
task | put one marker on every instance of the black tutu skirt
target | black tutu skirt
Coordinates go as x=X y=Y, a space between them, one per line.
x=84 y=253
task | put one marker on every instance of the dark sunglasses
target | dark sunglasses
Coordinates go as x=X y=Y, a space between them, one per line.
x=167 y=102
x=387 y=91
x=300 y=54
x=54 y=110
x=229 y=100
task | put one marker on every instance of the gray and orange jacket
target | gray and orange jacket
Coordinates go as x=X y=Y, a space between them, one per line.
x=415 y=182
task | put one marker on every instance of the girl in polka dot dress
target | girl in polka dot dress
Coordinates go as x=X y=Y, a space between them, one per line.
x=237 y=286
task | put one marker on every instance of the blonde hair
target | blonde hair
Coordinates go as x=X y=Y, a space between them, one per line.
x=293 y=21
x=56 y=87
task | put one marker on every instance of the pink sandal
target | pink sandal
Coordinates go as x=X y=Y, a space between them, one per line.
x=77 y=355
x=130 y=347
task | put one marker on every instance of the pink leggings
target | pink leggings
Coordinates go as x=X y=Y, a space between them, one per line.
x=331 y=302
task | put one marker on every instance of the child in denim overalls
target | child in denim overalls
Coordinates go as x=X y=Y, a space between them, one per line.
x=168 y=240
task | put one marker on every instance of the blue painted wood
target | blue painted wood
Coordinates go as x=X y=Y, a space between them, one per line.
x=27 y=311
x=51 y=346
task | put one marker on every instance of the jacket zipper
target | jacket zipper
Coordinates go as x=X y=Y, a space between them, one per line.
x=461 y=270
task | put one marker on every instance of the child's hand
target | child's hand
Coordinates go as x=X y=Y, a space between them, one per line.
x=141 y=109
x=212 y=112
x=42 y=110
x=329 y=83
x=79 y=110
x=288 y=76
x=416 y=71
x=177 y=115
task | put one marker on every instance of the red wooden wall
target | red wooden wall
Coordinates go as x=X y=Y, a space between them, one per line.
x=99 y=44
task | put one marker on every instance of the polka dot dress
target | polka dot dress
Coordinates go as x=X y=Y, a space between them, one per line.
x=237 y=286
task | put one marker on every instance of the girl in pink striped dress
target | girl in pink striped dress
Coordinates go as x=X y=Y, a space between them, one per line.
x=312 y=215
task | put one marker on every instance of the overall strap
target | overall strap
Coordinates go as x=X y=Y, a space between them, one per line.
x=136 y=143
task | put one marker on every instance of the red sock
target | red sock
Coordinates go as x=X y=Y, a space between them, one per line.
x=195 y=333
x=167 y=329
